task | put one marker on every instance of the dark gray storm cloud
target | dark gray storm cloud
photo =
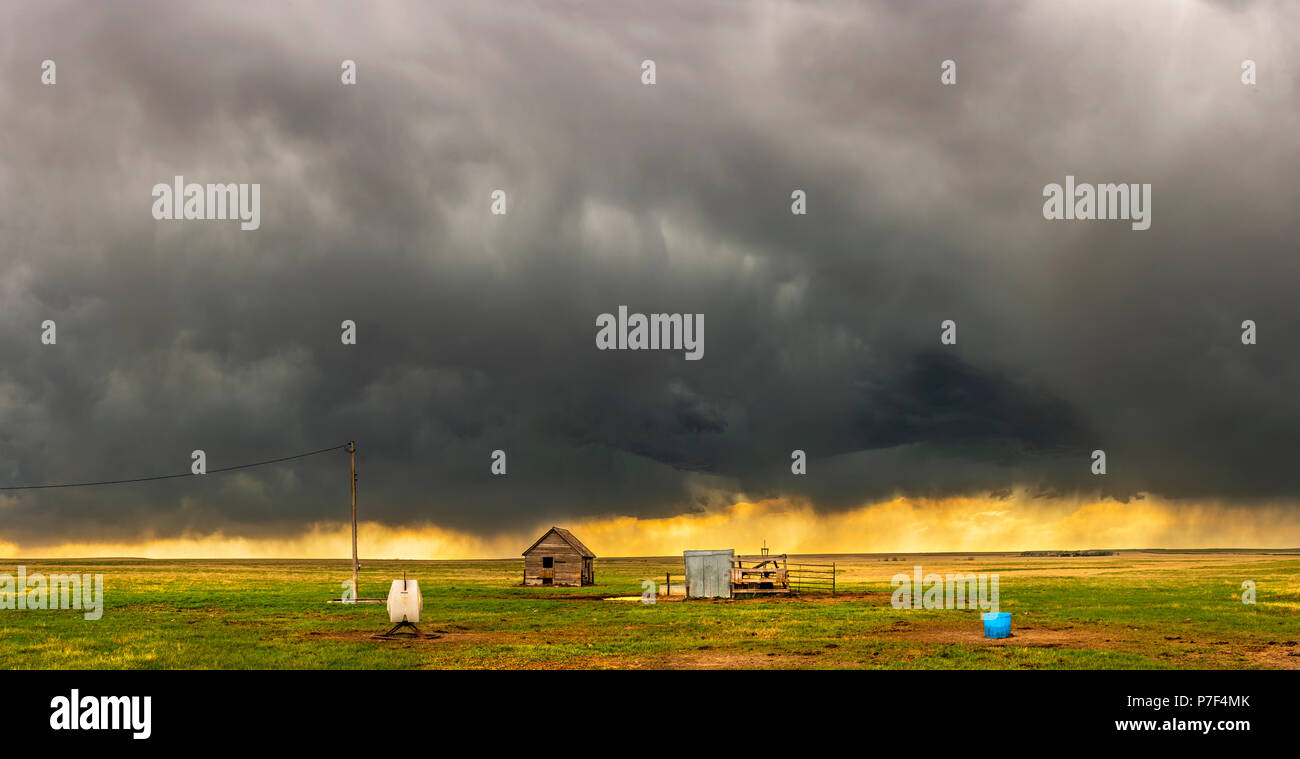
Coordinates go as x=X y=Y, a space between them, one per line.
x=476 y=332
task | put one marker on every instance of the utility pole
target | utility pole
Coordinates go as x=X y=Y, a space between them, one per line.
x=352 y=456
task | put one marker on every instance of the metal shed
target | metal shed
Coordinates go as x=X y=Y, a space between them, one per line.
x=708 y=573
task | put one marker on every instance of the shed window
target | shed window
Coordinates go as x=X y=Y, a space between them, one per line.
x=548 y=562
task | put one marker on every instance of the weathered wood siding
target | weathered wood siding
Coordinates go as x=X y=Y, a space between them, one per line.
x=567 y=569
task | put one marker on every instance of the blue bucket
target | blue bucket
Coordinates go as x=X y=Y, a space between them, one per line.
x=997 y=625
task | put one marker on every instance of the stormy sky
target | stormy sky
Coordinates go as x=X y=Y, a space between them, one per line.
x=476 y=332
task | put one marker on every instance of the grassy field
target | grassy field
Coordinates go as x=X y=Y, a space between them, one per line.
x=1130 y=610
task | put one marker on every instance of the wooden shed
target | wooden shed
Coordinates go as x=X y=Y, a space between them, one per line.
x=558 y=558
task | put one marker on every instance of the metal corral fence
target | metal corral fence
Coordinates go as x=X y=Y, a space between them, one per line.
x=804 y=578
x=812 y=578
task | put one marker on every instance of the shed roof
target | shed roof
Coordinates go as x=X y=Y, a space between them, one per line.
x=567 y=537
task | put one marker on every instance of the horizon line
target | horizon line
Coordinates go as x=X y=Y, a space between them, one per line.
x=1281 y=551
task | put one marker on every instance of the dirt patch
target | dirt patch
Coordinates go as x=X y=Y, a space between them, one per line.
x=1032 y=637
x=407 y=637
x=430 y=636
x=456 y=635
x=1276 y=654
x=877 y=597
x=724 y=660
x=1284 y=654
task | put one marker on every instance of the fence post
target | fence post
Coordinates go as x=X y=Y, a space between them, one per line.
x=832 y=578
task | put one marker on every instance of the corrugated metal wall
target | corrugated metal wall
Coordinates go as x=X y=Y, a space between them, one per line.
x=708 y=573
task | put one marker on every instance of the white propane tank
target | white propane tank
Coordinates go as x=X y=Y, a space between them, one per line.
x=404 y=601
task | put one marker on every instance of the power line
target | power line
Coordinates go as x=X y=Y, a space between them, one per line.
x=175 y=476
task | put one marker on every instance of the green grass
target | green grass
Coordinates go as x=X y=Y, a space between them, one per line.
x=1133 y=610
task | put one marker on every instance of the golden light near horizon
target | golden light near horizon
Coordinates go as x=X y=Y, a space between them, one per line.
x=903 y=525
